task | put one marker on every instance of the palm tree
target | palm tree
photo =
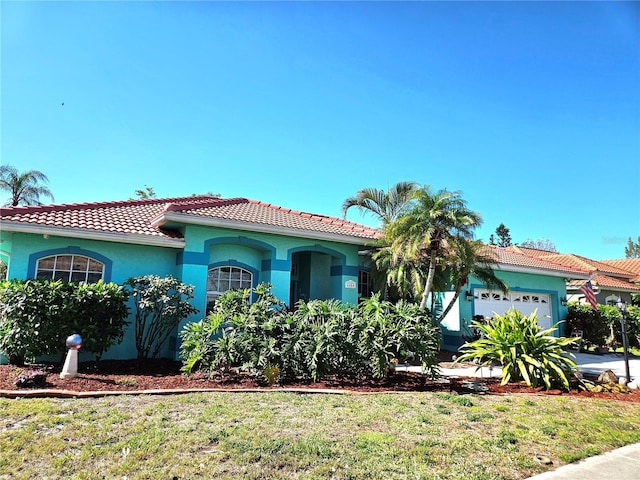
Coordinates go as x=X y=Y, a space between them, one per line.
x=24 y=187
x=387 y=206
x=432 y=220
x=465 y=258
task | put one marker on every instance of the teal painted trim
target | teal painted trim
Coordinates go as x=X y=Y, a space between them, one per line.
x=338 y=270
x=234 y=263
x=202 y=258
x=319 y=249
x=34 y=257
x=275 y=264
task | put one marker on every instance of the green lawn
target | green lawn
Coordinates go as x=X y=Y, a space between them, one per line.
x=284 y=435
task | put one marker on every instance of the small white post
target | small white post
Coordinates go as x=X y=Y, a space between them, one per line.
x=70 y=368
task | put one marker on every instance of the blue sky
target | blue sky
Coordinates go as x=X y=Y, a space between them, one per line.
x=531 y=110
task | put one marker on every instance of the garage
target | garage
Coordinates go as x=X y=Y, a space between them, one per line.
x=486 y=302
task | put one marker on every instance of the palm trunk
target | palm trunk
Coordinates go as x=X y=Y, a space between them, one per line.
x=429 y=282
x=453 y=301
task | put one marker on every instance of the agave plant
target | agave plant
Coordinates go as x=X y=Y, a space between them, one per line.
x=526 y=352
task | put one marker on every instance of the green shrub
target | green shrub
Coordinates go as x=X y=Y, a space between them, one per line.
x=632 y=318
x=602 y=327
x=526 y=352
x=100 y=316
x=37 y=316
x=322 y=337
x=160 y=304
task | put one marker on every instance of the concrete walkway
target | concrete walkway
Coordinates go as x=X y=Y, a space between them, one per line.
x=620 y=464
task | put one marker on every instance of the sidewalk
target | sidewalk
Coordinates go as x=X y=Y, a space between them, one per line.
x=620 y=464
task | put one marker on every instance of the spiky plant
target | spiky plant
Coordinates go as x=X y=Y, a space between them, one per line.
x=525 y=351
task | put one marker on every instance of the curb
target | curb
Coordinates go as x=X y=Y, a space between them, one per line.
x=53 y=393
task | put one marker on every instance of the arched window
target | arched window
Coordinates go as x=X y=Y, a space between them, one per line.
x=221 y=279
x=70 y=268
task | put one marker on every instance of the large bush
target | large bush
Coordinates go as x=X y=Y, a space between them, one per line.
x=160 y=304
x=526 y=352
x=37 y=316
x=320 y=338
x=602 y=327
x=632 y=317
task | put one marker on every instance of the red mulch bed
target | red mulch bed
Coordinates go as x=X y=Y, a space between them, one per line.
x=132 y=375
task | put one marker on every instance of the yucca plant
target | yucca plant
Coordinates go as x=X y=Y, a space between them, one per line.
x=526 y=352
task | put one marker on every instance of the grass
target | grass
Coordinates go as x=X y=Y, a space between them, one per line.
x=286 y=436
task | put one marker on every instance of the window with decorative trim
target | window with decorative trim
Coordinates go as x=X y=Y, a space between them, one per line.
x=364 y=284
x=70 y=268
x=221 y=279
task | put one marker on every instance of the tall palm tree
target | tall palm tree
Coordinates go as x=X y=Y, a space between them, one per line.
x=25 y=187
x=432 y=220
x=465 y=258
x=386 y=206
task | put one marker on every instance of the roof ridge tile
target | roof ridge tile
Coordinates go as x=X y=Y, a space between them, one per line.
x=22 y=209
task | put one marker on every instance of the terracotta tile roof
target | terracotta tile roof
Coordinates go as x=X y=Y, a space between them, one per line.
x=266 y=214
x=532 y=252
x=141 y=216
x=508 y=256
x=629 y=264
x=573 y=260
x=605 y=281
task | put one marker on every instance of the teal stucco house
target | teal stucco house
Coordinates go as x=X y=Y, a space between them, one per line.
x=212 y=243
x=218 y=244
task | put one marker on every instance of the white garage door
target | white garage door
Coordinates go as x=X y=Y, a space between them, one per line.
x=487 y=302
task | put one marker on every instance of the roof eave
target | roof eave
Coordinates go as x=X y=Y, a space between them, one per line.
x=132 y=238
x=542 y=271
x=256 y=227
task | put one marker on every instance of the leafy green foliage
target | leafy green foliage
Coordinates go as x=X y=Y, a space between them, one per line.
x=632 y=317
x=100 y=315
x=602 y=327
x=160 y=304
x=632 y=249
x=320 y=338
x=526 y=352
x=25 y=188
x=504 y=236
x=37 y=316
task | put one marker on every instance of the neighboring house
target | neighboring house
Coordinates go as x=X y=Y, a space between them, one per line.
x=212 y=243
x=534 y=284
x=610 y=279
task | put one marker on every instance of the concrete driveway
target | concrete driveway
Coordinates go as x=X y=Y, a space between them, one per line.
x=596 y=364
x=587 y=363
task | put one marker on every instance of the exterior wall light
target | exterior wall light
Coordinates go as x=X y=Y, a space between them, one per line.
x=564 y=302
x=469 y=296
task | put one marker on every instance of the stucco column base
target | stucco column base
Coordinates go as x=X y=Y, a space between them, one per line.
x=70 y=368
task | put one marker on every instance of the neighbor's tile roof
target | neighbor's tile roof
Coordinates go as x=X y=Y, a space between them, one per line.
x=605 y=281
x=631 y=265
x=507 y=256
x=141 y=216
x=573 y=260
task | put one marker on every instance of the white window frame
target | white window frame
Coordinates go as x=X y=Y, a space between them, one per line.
x=58 y=272
x=223 y=284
